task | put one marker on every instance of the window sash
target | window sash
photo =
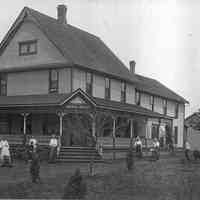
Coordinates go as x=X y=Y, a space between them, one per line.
x=3 y=84
x=53 y=80
x=27 y=48
x=137 y=98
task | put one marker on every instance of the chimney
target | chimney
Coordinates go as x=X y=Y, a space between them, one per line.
x=132 y=66
x=61 y=14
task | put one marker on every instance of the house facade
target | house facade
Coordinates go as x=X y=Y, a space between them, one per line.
x=55 y=78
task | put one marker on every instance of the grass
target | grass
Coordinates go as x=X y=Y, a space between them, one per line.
x=167 y=179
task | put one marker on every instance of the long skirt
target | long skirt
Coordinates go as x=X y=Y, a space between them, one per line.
x=52 y=154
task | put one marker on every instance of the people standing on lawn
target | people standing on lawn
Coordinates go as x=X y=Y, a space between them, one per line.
x=32 y=147
x=138 y=146
x=53 y=145
x=5 y=154
x=35 y=168
x=187 y=150
x=156 y=146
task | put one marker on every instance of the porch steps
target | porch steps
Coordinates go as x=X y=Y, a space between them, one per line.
x=78 y=155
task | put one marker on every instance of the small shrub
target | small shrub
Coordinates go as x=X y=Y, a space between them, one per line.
x=129 y=160
x=76 y=187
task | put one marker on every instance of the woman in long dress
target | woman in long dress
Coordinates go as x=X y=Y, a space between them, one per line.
x=5 y=154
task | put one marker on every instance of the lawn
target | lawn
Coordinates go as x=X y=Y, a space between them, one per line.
x=167 y=179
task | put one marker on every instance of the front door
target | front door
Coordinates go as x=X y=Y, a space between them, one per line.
x=76 y=130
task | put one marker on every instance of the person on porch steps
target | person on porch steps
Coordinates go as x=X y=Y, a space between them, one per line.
x=53 y=144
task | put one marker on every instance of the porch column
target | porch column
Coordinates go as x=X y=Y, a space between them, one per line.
x=114 y=137
x=60 y=115
x=94 y=127
x=25 y=115
x=131 y=133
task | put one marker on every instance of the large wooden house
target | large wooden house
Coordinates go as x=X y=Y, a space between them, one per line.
x=54 y=76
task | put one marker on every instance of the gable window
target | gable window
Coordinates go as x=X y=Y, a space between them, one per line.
x=53 y=80
x=164 y=106
x=3 y=84
x=151 y=102
x=28 y=48
x=89 y=83
x=123 y=92
x=137 y=98
x=107 y=88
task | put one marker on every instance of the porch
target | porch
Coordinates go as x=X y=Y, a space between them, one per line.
x=78 y=120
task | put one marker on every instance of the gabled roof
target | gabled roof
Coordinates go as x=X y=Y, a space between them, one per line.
x=193 y=120
x=85 y=50
x=77 y=46
x=153 y=86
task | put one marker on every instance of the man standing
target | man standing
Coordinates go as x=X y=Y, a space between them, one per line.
x=156 y=146
x=187 y=150
x=138 y=146
x=53 y=144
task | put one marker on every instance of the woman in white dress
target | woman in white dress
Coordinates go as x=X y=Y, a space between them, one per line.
x=5 y=154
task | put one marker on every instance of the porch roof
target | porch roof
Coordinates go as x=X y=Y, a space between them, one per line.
x=61 y=99
x=129 y=108
x=32 y=100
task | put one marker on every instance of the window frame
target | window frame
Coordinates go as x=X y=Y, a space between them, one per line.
x=123 y=91
x=3 y=85
x=176 y=110
x=151 y=102
x=51 y=82
x=27 y=43
x=137 y=97
x=107 y=89
x=164 y=106
x=89 y=84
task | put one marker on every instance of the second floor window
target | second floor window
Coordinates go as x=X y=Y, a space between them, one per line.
x=123 y=92
x=137 y=98
x=176 y=110
x=164 y=106
x=89 y=83
x=151 y=102
x=53 y=80
x=3 y=84
x=107 y=88
x=28 y=48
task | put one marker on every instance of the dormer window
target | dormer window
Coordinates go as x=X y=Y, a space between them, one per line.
x=27 y=48
x=53 y=80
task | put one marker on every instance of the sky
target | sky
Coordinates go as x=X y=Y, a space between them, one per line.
x=162 y=36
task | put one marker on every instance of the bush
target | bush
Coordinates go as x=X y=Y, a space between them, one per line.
x=129 y=159
x=76 y=187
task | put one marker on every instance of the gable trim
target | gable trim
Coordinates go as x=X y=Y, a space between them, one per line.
x=75 y=93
